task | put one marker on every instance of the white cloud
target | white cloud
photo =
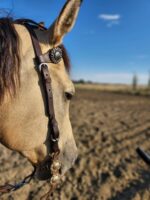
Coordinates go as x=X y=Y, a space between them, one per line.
x=110 y=24
x=110 y=19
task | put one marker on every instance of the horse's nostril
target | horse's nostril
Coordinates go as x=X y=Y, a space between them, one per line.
x=69 y=95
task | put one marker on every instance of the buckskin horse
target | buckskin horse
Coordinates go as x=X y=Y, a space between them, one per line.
x=35 y=92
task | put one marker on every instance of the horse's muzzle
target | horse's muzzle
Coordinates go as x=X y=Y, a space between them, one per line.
x=43 y=171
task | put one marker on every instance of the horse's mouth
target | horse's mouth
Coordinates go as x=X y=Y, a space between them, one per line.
x=43 y=169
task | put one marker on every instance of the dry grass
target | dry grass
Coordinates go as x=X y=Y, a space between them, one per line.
x=117 y=88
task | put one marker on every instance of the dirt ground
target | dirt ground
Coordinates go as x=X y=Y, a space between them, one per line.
x=107 y=127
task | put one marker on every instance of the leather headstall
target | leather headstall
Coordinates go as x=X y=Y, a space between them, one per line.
x=52 y=56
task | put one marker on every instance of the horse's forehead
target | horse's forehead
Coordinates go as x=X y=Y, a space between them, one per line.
x=25 y=39
x=27 y=51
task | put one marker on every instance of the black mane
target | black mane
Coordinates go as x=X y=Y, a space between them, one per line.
x=9 y=58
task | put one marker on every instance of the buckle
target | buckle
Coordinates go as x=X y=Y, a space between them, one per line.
x=54 y=139
x=40 y=66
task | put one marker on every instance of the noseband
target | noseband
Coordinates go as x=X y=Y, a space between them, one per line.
x=52 y=56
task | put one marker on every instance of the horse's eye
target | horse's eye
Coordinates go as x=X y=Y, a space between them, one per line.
x=55 y=55
x=68 y=95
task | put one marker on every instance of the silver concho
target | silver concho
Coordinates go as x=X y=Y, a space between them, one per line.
x=56 y=55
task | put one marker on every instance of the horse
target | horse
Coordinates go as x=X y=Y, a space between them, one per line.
x=23 y=120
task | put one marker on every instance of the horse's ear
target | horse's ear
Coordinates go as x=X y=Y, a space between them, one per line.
x=64 y=22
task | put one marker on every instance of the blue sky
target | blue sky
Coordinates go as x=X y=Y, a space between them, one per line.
x=110 y=41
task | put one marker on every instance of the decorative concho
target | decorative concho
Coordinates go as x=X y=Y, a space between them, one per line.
x=56 y=55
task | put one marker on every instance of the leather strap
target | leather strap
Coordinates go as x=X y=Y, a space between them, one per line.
x=45 y=58
x=53 y=126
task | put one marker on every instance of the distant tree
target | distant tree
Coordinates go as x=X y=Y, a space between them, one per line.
x=135 y=82
x=81 y=81
x=89 y=82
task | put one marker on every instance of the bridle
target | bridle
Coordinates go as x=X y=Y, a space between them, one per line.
x=41 y=61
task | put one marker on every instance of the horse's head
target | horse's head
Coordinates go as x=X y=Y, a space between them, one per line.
x=23 y=120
